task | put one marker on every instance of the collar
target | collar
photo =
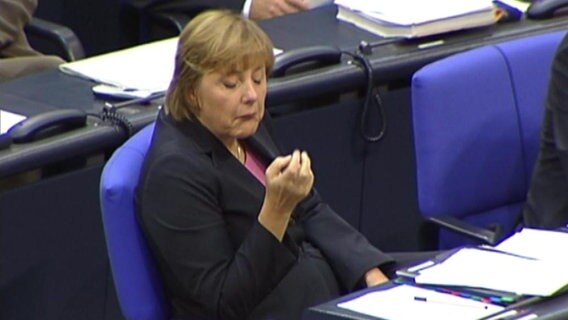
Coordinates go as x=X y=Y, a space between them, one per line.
x=205 y=142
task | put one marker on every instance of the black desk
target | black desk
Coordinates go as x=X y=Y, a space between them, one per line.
x=392 y=62
x=56 y=220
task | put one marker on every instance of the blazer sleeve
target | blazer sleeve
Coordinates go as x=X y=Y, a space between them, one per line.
x=349 y=253
x=14 y=16
x=187 y=6
x=557 y=102
x=180 y=212
x=547 y=200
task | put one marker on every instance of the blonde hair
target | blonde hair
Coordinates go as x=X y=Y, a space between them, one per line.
x=216 y=40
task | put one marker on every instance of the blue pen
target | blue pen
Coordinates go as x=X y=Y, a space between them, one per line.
x=453 y=303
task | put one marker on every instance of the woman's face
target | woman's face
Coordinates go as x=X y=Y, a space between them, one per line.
x=232 y=105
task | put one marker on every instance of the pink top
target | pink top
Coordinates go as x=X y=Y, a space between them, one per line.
x=255 y=166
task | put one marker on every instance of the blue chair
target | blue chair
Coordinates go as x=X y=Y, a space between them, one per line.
x=140 y=291
x=477 y=117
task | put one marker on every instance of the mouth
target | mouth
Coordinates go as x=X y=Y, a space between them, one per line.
x=248 y=116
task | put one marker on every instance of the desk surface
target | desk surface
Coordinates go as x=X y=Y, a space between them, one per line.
x=391 y=62
x=320 y=27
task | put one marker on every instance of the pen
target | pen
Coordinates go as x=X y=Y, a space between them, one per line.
x=430 y=44
x=453 y=303
x=491 y=249
x=513 y=310
x=126 y=103
x=504 y=315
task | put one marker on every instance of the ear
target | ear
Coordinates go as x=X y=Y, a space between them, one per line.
x=192 y=100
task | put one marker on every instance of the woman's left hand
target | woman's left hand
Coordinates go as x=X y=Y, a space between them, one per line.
x=375 y=277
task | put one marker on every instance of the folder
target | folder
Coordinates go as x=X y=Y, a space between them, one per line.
x=148 y=67
x=523 y=265
x=393 y=19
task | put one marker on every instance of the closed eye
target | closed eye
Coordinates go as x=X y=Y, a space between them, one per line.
x=229 y=84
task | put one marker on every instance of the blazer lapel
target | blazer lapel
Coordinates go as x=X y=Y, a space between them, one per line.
x=263 y=144
x=233 y=172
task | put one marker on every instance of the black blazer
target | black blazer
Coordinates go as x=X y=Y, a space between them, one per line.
x=198 y=207
x=547 y=199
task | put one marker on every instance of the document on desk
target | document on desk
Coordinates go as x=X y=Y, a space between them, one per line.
x=408 y=302
x=492 y=269
x=517 y=4
x=539 y=244
x=393 y=19
x=146 y=67
x=8 y=120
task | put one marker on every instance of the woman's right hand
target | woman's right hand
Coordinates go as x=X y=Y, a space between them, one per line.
x=289 y=180
x=266 y=9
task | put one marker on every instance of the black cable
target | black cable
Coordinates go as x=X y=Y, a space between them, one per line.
x=110 y=111
x=110 y=114
x=371 y=92
x=366 y=48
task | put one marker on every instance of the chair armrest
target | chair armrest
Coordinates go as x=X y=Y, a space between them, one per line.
x=51 y=38
x=486 y=236
x=173 y=21
x=162 y=25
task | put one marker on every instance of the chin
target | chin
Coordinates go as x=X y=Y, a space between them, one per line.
x=247 y=131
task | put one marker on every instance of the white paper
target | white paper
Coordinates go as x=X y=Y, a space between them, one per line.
x=498 y=271
x=397 y=12
x=8 y=120
x=146 y=67
x=517 y=4
x=399 y=303
x=539 y=244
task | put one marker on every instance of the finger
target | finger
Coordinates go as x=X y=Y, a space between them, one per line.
x=294 y=165
x=278 y=165
x=306 y=161
x=287 y=6
x=306 y=166
x=280 y=8
x=298 y=5
x=306 y=170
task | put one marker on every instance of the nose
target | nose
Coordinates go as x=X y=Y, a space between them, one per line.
x=250 y=94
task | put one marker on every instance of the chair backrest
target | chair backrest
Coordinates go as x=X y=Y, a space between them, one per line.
x=139 y=288
x=52 y=38
x=477 y=117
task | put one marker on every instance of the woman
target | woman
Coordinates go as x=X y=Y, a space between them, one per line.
x=236 y=228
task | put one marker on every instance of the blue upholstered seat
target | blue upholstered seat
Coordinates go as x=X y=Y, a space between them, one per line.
x=477 y=117
x=139 y=288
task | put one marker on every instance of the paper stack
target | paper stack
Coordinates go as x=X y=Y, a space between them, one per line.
x=8 y=120
x=531 y=262
x=409 y=302
x=416 y=18
x=146 y=67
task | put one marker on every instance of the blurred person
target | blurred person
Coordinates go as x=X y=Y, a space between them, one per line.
x=547 y=199
x=254 y=9
x=17 y=57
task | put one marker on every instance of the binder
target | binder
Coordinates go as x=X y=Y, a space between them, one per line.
x=393 y=19
x=490 y=268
